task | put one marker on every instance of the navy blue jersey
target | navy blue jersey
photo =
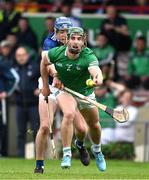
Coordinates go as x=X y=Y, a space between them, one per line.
x=50 y=42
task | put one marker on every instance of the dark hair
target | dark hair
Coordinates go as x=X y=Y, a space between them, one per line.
x=102 y=34
x=110 y=3
x=125 y=91
x=141 y=37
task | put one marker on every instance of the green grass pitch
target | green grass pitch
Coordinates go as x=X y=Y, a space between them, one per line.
x=23 y=169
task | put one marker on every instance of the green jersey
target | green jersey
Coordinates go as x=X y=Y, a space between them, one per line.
x=73 y=73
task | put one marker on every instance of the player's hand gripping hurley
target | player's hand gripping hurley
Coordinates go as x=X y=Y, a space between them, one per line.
x=119 y=115
x=51 y=132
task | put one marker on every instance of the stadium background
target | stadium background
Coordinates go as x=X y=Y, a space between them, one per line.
x=136 y=24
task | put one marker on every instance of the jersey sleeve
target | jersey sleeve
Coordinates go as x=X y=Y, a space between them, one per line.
x=48 y=44
x=52 y=54
x=92 y=60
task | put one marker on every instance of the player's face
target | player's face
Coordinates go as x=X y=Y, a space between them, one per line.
x=61 y=35
x=75 y=43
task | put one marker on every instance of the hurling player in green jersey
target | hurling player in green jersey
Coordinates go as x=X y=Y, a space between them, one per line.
x=74 y=64
x=58 y=38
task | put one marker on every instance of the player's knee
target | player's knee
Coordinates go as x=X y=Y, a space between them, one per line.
x=94 y=126
x=44 y=130
x=69 y=116
x=83 y=129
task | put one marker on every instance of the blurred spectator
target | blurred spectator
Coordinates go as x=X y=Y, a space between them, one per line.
x=6 y=53
x=115 y=28
x=142 y=2
x=67 y=12
x=41 y=3
x=115 y=87
x=8 y=19
x=93 y=3
x=8 y=83
x=88 y=38
x=25 y=34
x=138 y=65
x=26 y=97
x=56 y=5
x=49 y=25
x=125 y=132
x=105 y=54
x=8 y=80
x=77 y=6
x=142 y=7
x=107 y=94
x=12 y=38
x=103 y=95
x=122 y=2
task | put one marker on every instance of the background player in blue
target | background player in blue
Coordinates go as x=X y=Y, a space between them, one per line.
x=55 y=39
x=58 y=37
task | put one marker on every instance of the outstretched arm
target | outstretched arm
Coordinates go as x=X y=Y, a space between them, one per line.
x=96 y=74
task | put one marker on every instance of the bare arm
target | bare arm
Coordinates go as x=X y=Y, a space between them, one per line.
x=51 y=70
x=96 y=74
x=44 y=71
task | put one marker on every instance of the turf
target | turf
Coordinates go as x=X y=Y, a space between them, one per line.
x=23 y=169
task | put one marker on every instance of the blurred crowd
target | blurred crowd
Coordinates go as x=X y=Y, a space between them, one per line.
x=124 y=63
x=81 y=6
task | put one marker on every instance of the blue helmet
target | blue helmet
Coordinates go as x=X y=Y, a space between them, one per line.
x=63 y=23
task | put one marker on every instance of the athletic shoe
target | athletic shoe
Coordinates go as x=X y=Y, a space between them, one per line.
x=100 y=161
x=84 y=155
x=39 y=170
x=66 y=162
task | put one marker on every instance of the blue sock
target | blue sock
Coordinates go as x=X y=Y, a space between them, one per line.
x=39 y=163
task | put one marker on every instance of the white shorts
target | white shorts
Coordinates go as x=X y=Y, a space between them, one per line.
x=54 y=91
x=82 y=104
